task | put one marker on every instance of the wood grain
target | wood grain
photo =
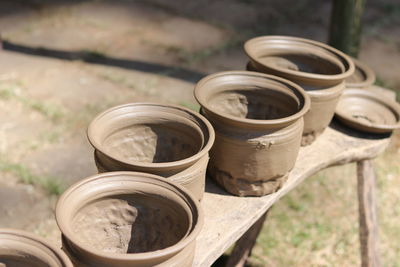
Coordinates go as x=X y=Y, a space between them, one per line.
x=228 y=217
x=369 y=239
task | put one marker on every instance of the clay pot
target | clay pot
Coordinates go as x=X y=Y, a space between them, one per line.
x=121 y=219
x=316 y=67
x=258 y=123
x=20 y=249
x=368 y=111
x=362 y=77
x=165 y=140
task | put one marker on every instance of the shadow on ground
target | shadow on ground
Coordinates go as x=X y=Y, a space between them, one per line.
x=95 y=58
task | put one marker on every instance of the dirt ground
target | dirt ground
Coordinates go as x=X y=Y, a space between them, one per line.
x=65 y=61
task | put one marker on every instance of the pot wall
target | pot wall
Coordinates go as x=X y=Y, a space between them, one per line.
x=122 y=219
x=318 y=68
x=164 y=140
x=192 y=178
x=254 y=166
x=20 y=249
x=322 y=110
x=258 y=121
x=182 y=259
x=322 y=107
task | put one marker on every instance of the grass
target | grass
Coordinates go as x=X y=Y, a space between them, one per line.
x=317 y=223
x=192 y=106
x=146 y=86
x=14 y=91
x=25 y=175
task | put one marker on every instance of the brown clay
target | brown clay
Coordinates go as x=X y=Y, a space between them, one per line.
x=165 y=140
x=316 y=67
x=368 y=111
x=21 y=249
x=258 y=124
x=129 y=219
x=362 y=77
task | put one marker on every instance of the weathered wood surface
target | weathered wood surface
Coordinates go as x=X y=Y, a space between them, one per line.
x=369 y=238
x=228 y=217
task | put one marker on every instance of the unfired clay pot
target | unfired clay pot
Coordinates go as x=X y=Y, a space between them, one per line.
x=316 y=67
x=21 y=249
x=258 y=120
x=368 y=111
x=124 y=219
x=362 y=77
x=165 y=140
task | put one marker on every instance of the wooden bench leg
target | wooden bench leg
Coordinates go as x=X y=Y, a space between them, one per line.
x=367 y=212
x=245 y=244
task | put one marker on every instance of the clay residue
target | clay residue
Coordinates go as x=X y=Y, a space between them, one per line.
x=301 y=62
x=245 y=187
x=254 y=104
x=152 y=143
x=130 y=224
x=363 y=118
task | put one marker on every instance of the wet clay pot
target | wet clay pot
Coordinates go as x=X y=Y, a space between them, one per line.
x=258 y=124
x=362 y=77
x=20 y=249
x=368 y=111
x=165 y=140
x=316 y=67
x=123 y=219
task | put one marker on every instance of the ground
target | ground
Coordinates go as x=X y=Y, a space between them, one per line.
x=65 y=61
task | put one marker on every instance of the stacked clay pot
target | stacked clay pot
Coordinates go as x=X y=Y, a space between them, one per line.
x=318 y=68
x=258 y=121
x=123 y=219
x=363 y=76
x=20 y=249
x=165 y=140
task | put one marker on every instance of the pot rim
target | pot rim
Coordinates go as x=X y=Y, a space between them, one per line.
x=267 y=78
x=206 y=147
x=11 y=233
x=367 y=72
x=384 y=101
x=348 y=70
x=185 y=195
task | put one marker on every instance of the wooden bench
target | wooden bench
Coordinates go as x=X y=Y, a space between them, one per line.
x=229 y=218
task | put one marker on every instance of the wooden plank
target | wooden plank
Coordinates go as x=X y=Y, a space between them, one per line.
x=228 y=217
x=345 y=28
x=369 y=237
x=245 y=244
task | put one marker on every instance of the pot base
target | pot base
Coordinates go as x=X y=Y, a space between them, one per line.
x=309 y=138
x=245 y=188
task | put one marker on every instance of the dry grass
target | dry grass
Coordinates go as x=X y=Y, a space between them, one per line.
x=317 y=223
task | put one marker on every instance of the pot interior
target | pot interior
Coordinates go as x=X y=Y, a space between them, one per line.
x=367 y=110
x=254 y=103
x=130 y=223
x=22 y=261
x=153 y=142
x=300 y=62
x=358 y=76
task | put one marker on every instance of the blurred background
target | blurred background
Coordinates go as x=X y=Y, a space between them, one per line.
x=64 y=61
